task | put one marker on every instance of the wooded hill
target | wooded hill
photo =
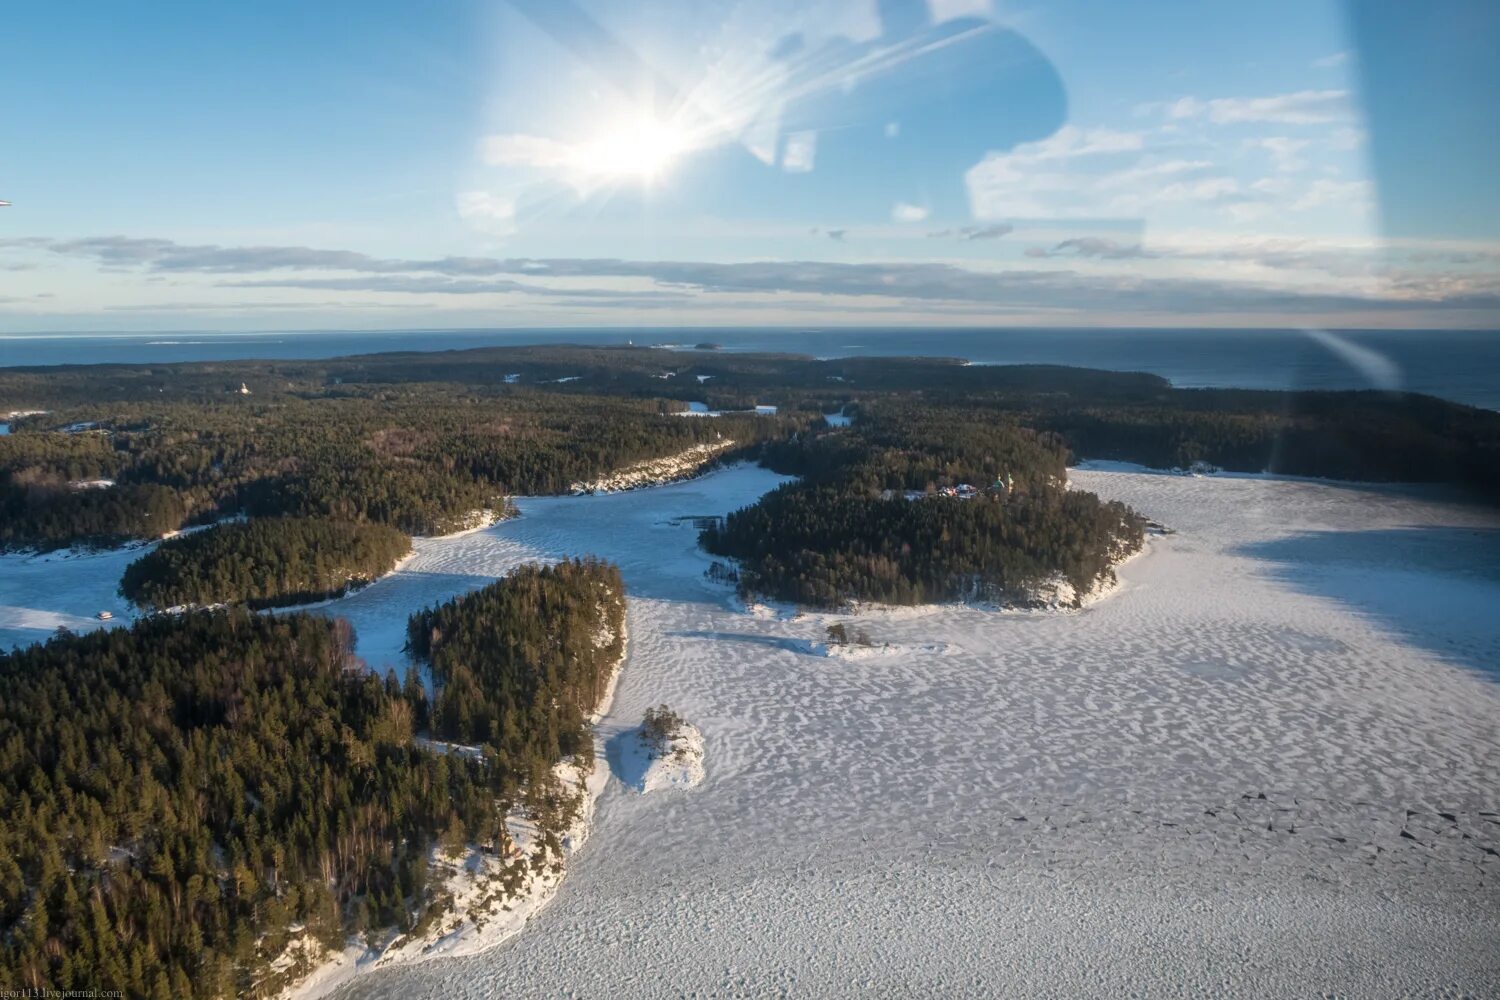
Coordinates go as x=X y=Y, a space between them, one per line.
x=264 y=563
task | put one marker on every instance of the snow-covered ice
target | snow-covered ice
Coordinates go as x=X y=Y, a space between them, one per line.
x=66 y=588
x=1053 y=805
x=1265 y=766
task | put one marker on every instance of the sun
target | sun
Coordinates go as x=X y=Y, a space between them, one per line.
x=634 y=147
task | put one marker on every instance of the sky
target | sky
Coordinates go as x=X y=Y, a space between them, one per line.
x=532 y=163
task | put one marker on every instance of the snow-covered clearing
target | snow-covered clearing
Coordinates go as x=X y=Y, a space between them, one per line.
x=700 y=409
x=1263 y=767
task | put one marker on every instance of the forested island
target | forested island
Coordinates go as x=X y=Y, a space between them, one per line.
x=926 y=503
x=183 y=800
x=263 y=563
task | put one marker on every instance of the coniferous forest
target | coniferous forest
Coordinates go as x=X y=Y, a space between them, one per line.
x=177 y=797
x=423 y=459
x=422 y=441
x=263 y=563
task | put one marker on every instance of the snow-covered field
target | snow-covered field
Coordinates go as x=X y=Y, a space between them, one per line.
x=1265 y=766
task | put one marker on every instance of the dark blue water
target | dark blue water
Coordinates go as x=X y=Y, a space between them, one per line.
x=1458 y=365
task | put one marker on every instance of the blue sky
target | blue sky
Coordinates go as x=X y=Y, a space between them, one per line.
x=665 y=162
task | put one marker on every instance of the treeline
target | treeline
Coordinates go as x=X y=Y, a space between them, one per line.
x=1368 y=436
x=522 y=663
x=176 y=797
x=873 y=520
x=45 y=512
x=263 y=563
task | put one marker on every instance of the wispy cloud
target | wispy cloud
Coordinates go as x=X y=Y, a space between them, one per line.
x=1199 y=163
x=1115 y=175
x=1286 y=152
x=493 y=212
x=1091 y=246
x=437 y=285
x=992 y=231
x=800 y=152
x=1304 y=107
x=1111 y=276
x=1324 y=192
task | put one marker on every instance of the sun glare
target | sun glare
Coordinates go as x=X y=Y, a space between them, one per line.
x=638 y=147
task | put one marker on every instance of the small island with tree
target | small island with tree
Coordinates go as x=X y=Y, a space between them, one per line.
x=665 y=751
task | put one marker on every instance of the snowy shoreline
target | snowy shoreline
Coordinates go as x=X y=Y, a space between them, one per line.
x=684 y=465
x=478 y=927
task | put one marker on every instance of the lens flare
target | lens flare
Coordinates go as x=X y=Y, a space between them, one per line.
x=637 y=147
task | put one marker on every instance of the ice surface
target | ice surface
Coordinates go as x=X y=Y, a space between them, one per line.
x=1054 y=804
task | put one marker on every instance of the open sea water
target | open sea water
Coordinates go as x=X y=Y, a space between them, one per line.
x=1463 y=366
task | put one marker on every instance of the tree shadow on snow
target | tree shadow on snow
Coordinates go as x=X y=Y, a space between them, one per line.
x=1435 y=587
x=628 y=757
x=791 y=645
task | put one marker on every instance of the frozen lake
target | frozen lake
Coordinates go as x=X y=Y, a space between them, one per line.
x=1264 y=767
